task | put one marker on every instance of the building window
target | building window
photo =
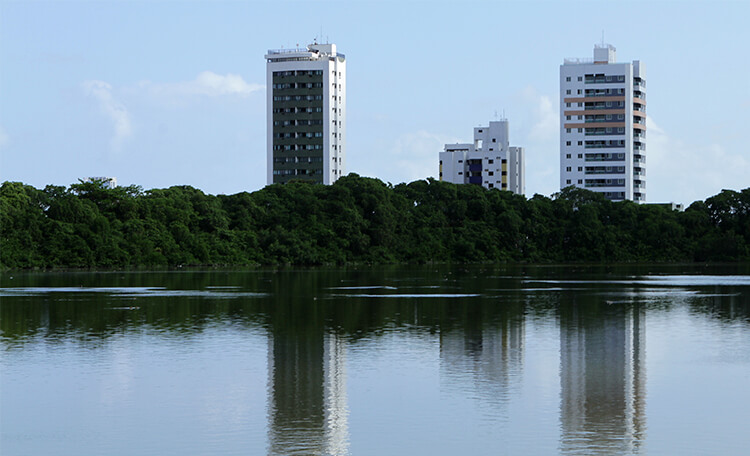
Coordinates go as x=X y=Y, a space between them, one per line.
x=567 y=181
x=567 y=117
x=490 y=162
x=580 y=78
x=567 y=130
x=492 y=185
x=567 y=155
x=580 y=155
x=491 y=173
x=580 y=169
x=580 y=130
x=567 y=168
x=580 y=181
x=567 y=143
x=567 y=92
x=579 y=91
x=460 y=172
x=580 y=143
x=567 y=79
x=567 y=105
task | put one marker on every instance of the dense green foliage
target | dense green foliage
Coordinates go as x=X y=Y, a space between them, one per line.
x=355 y=220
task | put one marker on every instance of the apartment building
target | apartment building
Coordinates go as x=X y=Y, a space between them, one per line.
x=489 y=161
x=306 y=114
x=603 y=125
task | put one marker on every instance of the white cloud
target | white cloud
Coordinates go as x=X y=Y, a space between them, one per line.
x=546 y=117
x=685 y=172
x=536 y=127
x=112 y=108
x=416 y=156
x=411 y=156
x=206 y=83
x=4 y=138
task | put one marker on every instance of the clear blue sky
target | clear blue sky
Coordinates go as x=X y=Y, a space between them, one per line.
x=169 y=93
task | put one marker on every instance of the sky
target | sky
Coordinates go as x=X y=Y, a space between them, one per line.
x=163 y=93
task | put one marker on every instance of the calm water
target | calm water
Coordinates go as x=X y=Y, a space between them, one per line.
x=374 y=361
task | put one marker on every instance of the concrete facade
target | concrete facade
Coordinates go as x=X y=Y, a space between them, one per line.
x=489 y=161
x=306 y=114
x=603 y=125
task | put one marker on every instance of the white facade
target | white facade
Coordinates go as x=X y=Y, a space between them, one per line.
x=306 y=114
x=109 y=182
x=490 y=161
x=603 y=125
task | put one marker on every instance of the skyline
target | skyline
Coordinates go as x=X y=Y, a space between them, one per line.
x=173 y=93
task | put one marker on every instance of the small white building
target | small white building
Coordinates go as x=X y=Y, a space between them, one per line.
x=109 y=182
x=490 y=161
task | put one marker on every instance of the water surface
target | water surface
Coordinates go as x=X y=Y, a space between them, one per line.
x=388 y=360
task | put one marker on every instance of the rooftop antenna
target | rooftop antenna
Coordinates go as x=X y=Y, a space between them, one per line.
x=602 y=37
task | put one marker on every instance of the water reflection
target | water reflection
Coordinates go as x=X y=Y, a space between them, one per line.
x=603 y=378
x=490 y=336
x=307 y=402
x=487 y=356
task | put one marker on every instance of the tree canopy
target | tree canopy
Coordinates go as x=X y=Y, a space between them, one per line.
x=355 y=220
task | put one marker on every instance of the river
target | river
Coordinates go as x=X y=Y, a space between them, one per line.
x=439 y=360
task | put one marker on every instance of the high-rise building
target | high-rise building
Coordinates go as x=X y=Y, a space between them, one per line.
x=603 y=125
x=490 y=161
x=306 y=114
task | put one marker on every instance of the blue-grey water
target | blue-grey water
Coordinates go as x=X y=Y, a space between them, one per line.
x=371 y=361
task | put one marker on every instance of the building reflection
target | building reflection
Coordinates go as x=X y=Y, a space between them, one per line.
x=308 y=411
x=489 y=356
x=602 y=374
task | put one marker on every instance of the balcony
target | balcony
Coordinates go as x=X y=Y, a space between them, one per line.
x=604 y=157
x=605 y=170
x=602 y=79
x=475 y=180
x=594 y=183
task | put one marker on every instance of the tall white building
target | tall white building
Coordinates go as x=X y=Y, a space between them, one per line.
x=603 y=125
x=490 y=161
x=306 y=114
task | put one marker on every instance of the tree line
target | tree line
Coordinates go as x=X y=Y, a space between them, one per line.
x=355 y=220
